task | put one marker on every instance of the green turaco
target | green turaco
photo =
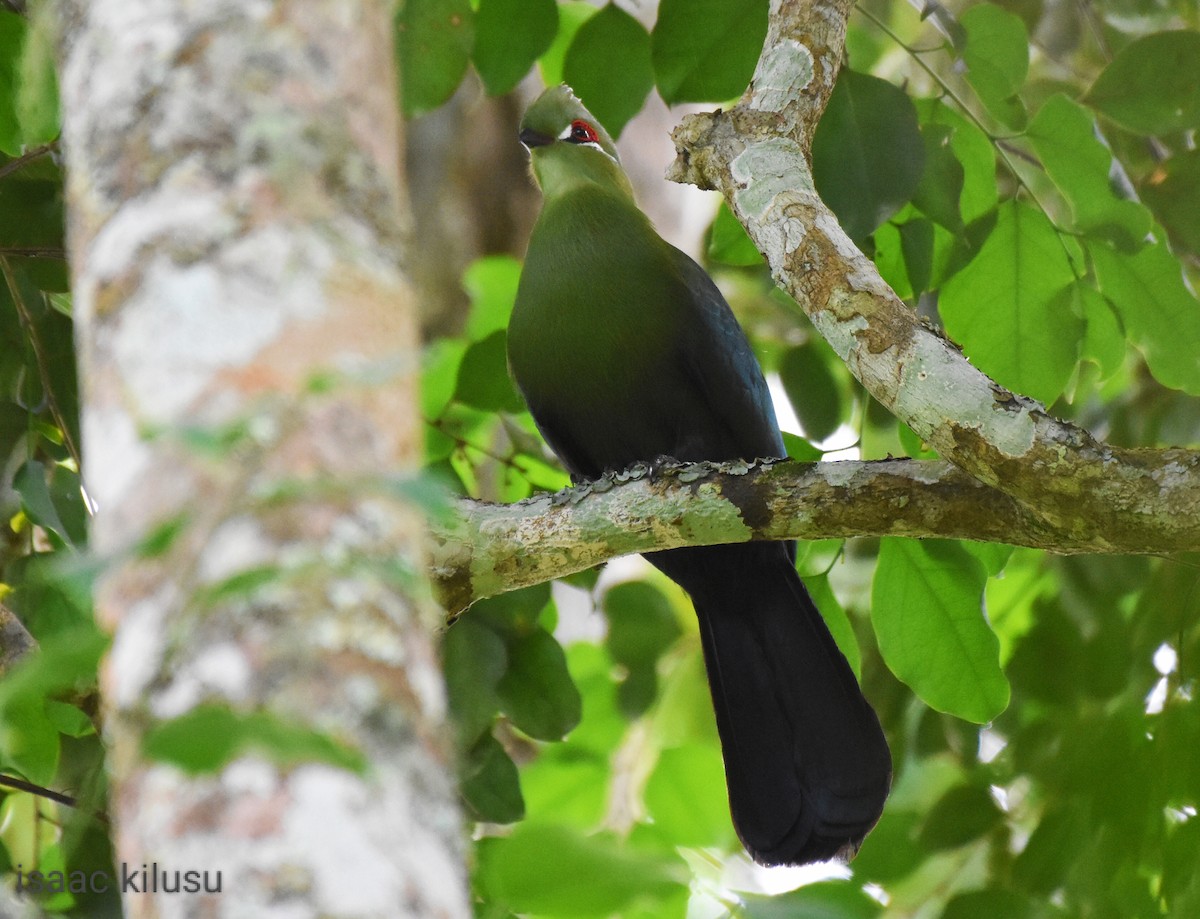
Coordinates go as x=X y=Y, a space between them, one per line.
x=625 y=351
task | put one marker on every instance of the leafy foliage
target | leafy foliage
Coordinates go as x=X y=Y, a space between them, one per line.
x=608 y=63
x=48 y=738
x=1038 y=199
x=862 y=180
x=209 y=736
x=1033 y=191
x=707 y=49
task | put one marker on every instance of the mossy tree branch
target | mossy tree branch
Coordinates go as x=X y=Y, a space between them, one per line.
x=491 y=548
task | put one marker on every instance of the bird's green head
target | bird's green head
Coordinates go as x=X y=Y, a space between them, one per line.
x=568 y=146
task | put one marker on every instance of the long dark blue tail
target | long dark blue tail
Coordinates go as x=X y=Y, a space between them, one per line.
x=806 y=762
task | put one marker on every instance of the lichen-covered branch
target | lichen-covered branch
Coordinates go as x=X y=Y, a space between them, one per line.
x=757 y=155
x=491 y=548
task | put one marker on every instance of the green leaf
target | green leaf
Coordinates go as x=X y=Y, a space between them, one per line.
x=603 y=726
x=239 y=585
x=1153 y=84
x=1010 y=307
x=29 y=742
x=868 y=155
x=474 y=659
x=641 y=623
x=1160 y=314
x=69 y=719
x=491 y=283
x=433 y=41
x=1064 y=136
x=210 y=735
x=515 y=611
x=52 y=592
x=1103 y=340
x=56 y=875
x=812 y=390
x=996 y=903
x=483 y=380
x=941 y=185
x=1181 y=856
x=1046 y=858
x=203 y=740
x=440 y=363
x=913 y=445
x=637 y=690
x=537 y=692
x=706 y=50
x=729 y=243
x=553 y=871
x=490 y=784
x=39 y=202
x=427 y=492
x=608 y=66
x=571 y=15
x=509 y=36
x=567 y=784
x=836 y=619
x=800 y=449
x=1172 y=191
x=292 y=744
x=14 y=425
x=12 y=38
x=66 y=662
x=993 y=555
x=37 y=90
x=962 y=815
x=684 y=713
x=974 y=151
x=30 y=483
x=890 y=852
x=926 y=609
x=822 y=900
x=916 y=243
x=889 y=259
x=66 y=493
x=686 y=799
x=996 y=53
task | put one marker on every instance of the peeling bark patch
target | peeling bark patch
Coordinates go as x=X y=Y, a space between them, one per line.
x=739 y=490
x=767 y=170
x=783 y=73
x=933 y=375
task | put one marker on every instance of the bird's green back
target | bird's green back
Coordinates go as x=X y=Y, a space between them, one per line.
x=622 y=346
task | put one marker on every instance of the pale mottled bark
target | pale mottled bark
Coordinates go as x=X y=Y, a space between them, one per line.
x=491 y=548
x=756 y=154
x=248 y=351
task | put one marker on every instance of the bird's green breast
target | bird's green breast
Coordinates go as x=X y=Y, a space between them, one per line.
x=597 y=303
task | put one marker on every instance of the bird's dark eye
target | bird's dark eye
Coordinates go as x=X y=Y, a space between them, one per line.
x=583 y=133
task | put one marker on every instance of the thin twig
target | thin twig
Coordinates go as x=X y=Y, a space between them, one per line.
x=26 y=158
x=57 y=796
x=1004 y=152
x=34 y=251
x=21 y=785
x=40 y=358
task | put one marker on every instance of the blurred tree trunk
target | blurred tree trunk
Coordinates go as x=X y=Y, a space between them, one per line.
x=248 y=353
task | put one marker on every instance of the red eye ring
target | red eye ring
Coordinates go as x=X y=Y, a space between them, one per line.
x=583 y=133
